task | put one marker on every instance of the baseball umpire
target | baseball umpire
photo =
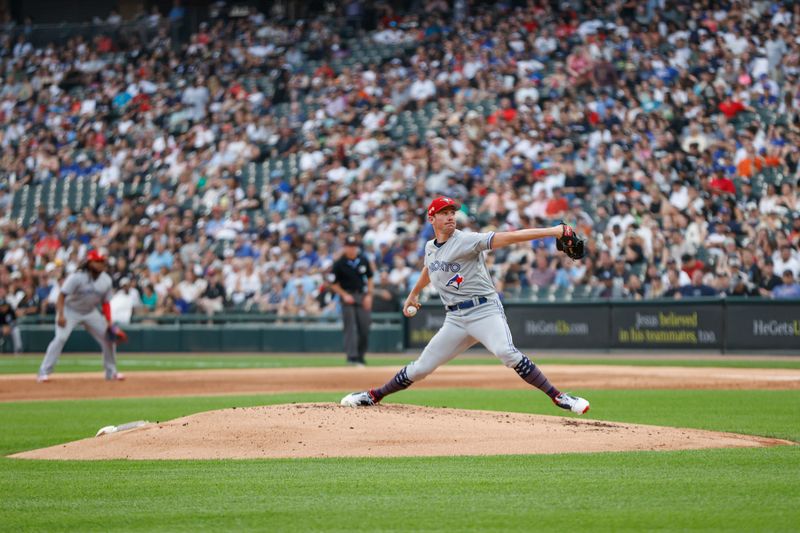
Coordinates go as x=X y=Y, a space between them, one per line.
x=455 y=264
x=354 y=285
x=8 y=320
x=81 y=293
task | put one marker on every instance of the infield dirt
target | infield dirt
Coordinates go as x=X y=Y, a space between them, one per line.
x=16 y=387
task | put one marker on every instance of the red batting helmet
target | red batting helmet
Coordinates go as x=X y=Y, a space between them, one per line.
x=440 y=203
x=95 y=255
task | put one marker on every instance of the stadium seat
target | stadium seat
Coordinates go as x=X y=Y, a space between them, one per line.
x=581 y=292
x=561 y=293
x=543 y=294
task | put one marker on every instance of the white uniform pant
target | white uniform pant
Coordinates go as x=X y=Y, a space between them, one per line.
x=484 y=323
x=96 y=325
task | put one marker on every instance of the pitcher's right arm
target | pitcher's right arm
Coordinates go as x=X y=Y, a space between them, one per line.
x=413 y=297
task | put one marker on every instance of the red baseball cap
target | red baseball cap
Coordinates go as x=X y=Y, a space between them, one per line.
x=95 y=255
x=440 y=203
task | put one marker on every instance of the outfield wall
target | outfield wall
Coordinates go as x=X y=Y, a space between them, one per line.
x=234 y=337
x=702 y=324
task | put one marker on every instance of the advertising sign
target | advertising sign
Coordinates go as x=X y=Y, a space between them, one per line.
x=532 y=326
x=768 y=326
x=694 y=325
x=559 y=326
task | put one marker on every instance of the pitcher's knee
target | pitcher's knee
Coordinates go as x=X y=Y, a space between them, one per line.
x=509 y=356
x=417 y=371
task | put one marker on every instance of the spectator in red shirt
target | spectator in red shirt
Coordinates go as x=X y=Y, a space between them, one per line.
x=690 y=264
x=48 y=245
x=142 y=102
x=203 y=37
x=566 y=29
x=722 y=184
x=390 y=19
x=530 y=24
x=104 y=44
x=506 y=113
x=324 y=71
x=730 y=107
x=557 y=205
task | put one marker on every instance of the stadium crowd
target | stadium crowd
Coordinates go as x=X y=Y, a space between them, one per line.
x=231 y=166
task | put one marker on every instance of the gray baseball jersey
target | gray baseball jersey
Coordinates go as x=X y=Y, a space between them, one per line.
x=458 y=271
x=82 y=293
x=457 y=268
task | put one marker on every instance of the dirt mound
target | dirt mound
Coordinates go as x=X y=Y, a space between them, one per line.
x=328 y=430
x=270 y=380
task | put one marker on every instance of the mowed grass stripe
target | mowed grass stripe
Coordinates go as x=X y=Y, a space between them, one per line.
x=735 y=489
x=29 y=364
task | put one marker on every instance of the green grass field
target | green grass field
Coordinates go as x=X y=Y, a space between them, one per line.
x=735 y=489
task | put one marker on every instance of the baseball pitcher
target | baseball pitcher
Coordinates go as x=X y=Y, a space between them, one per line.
x=455 y=264
x=81 y=293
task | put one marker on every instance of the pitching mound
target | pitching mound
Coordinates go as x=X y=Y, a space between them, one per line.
x=327 y=430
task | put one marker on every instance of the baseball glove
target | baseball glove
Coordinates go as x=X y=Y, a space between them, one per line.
x=114 y=333
x=570 y=243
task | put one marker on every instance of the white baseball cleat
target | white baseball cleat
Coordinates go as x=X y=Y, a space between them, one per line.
x=119 y=376
x=575 y=404
x=358 y=399
x=43 y=378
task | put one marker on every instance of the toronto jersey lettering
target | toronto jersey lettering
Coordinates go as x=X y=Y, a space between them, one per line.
x=82 y=293
x=458 y=267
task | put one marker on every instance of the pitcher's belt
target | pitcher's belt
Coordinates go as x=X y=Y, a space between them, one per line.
x=466 y=304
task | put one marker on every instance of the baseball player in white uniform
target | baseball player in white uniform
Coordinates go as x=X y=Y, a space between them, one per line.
x=455 y=264
x=81 y=293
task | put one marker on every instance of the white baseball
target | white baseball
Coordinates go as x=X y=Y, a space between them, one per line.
x=411 y=310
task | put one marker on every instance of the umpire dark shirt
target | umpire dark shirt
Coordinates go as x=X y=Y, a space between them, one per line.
x=352 y=275
x=8 y=317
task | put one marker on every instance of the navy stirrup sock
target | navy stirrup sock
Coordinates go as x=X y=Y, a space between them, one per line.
x=528 y=371
x=399 y=382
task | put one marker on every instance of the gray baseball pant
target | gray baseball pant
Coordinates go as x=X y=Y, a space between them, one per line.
x=461 y=329
x=96 y=325
x=486 y=324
